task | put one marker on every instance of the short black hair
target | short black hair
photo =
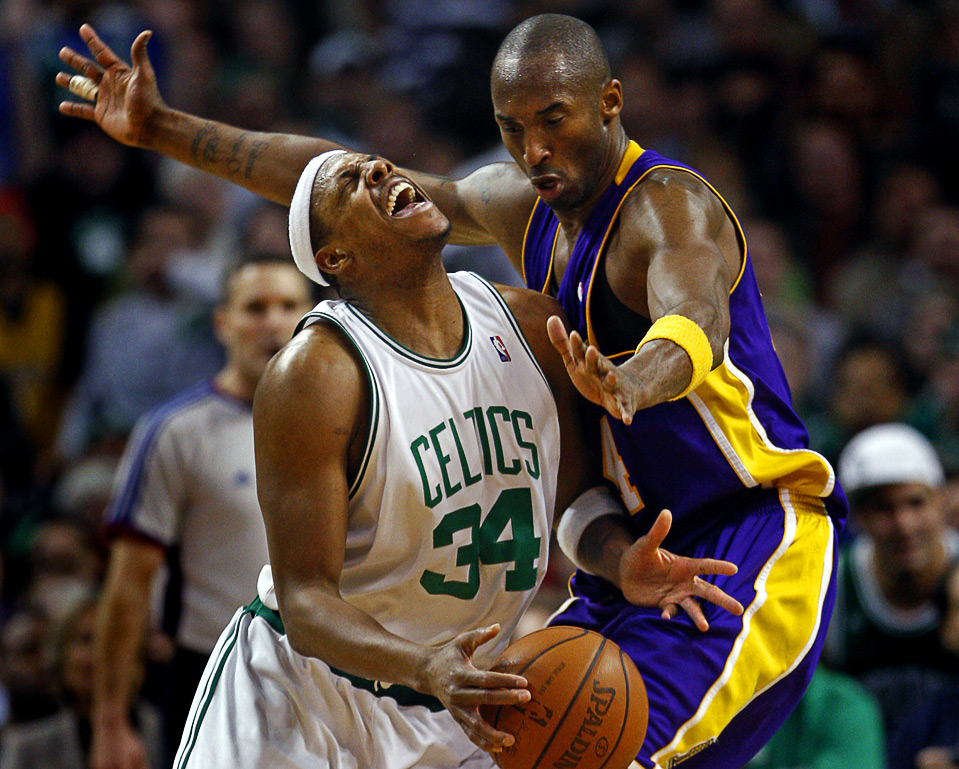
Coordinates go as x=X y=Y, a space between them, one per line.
x=540 y=37
x=245 y=259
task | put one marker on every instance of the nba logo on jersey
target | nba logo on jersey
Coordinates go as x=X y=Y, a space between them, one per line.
x=501 y=349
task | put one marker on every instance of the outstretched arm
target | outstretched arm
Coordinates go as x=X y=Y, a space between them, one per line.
x=489 y=206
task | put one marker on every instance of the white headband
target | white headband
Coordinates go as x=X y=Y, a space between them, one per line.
x=300 y=244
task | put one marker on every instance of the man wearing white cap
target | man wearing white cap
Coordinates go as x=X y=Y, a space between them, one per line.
x=884 y=610
x=885 y=627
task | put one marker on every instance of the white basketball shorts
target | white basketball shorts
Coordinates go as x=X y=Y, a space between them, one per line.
x=261 y=705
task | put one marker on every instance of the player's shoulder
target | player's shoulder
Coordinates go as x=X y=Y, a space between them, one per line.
x=320 y=362
x=664 y=186
x=663 y=205
x=524 y=302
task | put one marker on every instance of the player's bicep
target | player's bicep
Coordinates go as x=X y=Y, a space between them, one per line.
x=490 y=206
x=304 y=416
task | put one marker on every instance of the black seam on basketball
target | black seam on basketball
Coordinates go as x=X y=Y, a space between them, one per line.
x=550 y=648
x=499 y=708
x=572 y=701
x=622 y=725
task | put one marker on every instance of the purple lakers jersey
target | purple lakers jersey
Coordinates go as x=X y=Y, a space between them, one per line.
x=735 y=434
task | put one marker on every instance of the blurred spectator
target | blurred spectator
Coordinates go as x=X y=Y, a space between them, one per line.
x=826 y=208
x=186 y=488
x=938 y=758
x=886 y=625
x=870 y=383
x=940 y=90
x=62 y=740
x=26 y=676
x=934 y=253
x=863 y=287
x=65 y=566
x=937 y=409
x=836 y=725
x=945 y=756
x=784 y=282
x=82 y=489
x=17 y=481
x=144 y=346
x=264 y=230
x=32 y=324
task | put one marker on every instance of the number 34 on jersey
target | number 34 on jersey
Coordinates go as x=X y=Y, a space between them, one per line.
x=490 y=445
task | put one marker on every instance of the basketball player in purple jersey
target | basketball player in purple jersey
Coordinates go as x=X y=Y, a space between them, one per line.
x=693 y=413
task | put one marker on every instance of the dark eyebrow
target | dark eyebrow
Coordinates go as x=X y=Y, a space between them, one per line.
x=550 y=108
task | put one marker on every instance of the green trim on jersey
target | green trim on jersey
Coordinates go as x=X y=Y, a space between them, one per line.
x=514 y=323
x=403 y=695
x=374 y=393
x=423 y=360
x=208 y=695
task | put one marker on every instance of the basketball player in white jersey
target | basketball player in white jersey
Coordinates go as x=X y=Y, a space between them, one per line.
x=412 y=442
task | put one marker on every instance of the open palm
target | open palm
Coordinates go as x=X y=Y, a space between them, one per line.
x=595 y=376
x=127 y=95
x=651 y=576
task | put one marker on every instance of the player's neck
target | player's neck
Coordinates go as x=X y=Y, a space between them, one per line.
x=424 y=315
x=572 y=220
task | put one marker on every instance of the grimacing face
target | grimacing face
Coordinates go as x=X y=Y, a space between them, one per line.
x=372 y=209
x=265 y=302
x=556 y=129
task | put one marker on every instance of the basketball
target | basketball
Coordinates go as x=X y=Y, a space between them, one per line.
x=588 y=710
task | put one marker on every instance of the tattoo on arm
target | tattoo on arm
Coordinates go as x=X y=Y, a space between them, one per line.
x=234 y=164
x=256 y=148
x=205 y=130
x=205 y=145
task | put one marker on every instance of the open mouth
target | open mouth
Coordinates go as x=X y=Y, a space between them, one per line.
x=403 y=197
x=546 y=185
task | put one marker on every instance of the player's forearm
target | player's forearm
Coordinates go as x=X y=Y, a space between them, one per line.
x=602 y=546
x=268 y=164
x=664 y=369
x=321 y=624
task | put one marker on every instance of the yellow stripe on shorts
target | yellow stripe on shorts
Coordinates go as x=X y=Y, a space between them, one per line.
x=779 y=626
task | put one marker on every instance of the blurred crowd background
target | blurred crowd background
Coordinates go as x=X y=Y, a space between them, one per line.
x=830 y=126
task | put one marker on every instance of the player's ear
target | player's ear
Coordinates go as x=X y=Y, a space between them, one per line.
x=611 y=100
x=332 y=260
x=220 y=313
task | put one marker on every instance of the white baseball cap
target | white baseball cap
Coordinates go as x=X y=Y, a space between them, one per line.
x=889 y=453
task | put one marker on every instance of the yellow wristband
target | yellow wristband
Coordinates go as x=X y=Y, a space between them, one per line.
x=684 y=332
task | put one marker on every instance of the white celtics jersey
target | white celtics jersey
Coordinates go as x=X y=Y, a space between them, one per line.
x=450 y=513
